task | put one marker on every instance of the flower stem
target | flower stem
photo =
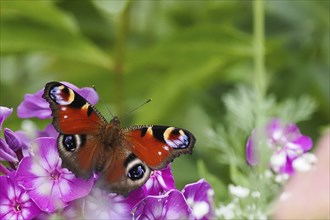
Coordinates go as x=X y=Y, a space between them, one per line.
x=120 y=57
x=258 y=47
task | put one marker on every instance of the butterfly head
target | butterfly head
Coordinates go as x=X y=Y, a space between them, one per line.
x=115 y=120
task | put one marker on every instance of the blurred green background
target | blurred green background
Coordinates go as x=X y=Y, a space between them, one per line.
x=185 y=55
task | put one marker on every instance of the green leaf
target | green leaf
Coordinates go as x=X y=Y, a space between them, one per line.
x=59 y=43
x=43 y=12
x=297 y=110
x=111 y=7
x=237 y=177
x=180 y=83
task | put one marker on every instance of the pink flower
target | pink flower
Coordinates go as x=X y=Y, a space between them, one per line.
x=50 y=186
x=15 y=202
x=286 y=142
x=194 y=202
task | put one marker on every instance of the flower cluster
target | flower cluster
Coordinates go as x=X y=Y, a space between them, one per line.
x=34 y=184
x=287 y=144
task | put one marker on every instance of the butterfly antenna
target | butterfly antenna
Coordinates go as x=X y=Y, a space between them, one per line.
x=103 y=102
x=136 y=108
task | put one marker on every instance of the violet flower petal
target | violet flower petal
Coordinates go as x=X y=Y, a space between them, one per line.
x=199 y=197
x=49 y=131
x=171 y=205
x=34 y=105
x=12 y=139
x=4 y=113
x=159 y=182
x=6 y=153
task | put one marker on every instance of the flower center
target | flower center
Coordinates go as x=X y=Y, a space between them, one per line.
x=17 y=207
x=55 y=175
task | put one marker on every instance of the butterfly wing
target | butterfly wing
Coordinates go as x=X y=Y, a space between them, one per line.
x=72 y=114
x=159 y=145
x=79 y=124
x=124 y=172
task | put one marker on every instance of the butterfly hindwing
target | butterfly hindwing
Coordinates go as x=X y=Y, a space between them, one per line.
x=124 y=172
x=159 y=145
x=80 y=154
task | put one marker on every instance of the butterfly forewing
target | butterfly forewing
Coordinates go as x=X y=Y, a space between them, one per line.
x=72 y=114
x=159 y=145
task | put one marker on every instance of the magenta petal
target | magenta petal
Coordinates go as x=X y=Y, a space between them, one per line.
x=4 y=113
x=199 y=191
x=28 y=172
x=50 y=186
x=287 y=168
x=49 y=154
x=251 y=153
x=48 y=202
x=172 y=205
x=199 y=197
x=72 y=188
x=159 y=182
x=304 y=142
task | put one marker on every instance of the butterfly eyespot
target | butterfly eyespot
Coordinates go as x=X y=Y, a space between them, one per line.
x=136 y=172
x=69 y=142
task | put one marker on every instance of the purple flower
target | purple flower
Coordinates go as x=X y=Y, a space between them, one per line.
x=199 y=197
x=35 y=106
x=160 y=181
x=171 y=205
x=194 y=202
x=4 y=113
x=15 y=203
x=286 y=142
x=50 y=186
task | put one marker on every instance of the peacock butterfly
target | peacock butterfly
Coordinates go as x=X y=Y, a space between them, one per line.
x=124 y=157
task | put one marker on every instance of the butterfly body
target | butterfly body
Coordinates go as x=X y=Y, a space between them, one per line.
x=124 y=157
